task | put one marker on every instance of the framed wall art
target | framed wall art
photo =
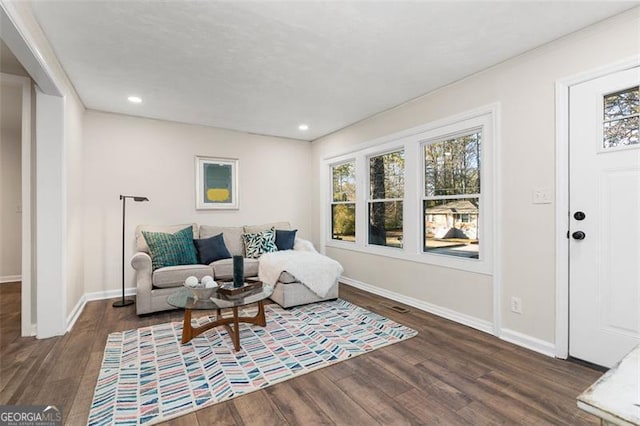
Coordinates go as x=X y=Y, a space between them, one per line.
x=216 y=183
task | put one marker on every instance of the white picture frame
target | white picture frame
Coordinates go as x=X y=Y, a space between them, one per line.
x=216 y=183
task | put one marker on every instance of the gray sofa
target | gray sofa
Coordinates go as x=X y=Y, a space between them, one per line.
x=153 y=287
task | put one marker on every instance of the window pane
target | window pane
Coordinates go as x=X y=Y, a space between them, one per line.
x=344 y=182
x=385 y=223
x=622 y=104
x=451 y=227
x=386 y=173
x=621 y=132
x=343 y=222
x=452 y=167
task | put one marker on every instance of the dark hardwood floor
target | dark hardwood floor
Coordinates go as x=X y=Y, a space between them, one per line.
x=448 y=374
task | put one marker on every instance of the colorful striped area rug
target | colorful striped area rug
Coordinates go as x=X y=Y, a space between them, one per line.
x=148 y=376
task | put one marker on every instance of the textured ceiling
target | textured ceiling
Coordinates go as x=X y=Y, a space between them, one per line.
x=264 y=67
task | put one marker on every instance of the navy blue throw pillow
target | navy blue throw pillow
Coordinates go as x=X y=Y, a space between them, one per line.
x=285 y=239
x=211 y=249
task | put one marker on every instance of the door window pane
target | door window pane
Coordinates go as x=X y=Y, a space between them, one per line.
x=621 y=132
x=622 y=104
x=452 y=167
x=621 y=118
x=385 y=223
x=451 y=227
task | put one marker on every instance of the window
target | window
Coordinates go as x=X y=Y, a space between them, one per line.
x=423 y=195
x=386 y=194
x=451 y=199
x=621 y=119
x=343 y=201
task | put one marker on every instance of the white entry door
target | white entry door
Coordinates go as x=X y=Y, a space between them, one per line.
x=604 y=203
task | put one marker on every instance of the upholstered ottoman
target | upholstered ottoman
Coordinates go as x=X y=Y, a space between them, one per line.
x=290 y=292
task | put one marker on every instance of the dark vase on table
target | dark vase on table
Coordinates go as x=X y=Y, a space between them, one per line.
x=238 y=271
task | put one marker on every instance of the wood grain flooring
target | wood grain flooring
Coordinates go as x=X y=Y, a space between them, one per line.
x=449 y=374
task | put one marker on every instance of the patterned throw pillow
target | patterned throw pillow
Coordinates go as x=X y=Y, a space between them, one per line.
x=261 y=242
x=171 y=249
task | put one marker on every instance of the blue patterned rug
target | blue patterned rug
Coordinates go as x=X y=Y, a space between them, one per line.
x=148 y=376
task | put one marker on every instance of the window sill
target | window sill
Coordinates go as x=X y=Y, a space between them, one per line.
x=478 y=266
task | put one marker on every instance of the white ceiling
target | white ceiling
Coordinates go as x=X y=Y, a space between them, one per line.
x=264 y=67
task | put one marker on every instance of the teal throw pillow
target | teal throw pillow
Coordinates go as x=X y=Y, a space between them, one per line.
x=260 y=242
x=171 y=249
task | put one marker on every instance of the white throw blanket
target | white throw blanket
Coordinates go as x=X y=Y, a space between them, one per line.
x=317 y=272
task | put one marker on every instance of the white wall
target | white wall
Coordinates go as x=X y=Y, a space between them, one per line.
x=135 y=156
x=43 y=66
x=10 y=184
x=74 y=169
x=524 y=87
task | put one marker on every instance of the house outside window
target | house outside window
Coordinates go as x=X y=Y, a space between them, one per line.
x=386 y=196
x=343 y=201
x=451 y=199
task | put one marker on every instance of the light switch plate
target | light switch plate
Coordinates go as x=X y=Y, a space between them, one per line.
x=541 y=196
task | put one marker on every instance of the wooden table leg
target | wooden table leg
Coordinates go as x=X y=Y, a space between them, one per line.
x=260 y=318
x=231 y=324
x=236 y=330
x=186 y=327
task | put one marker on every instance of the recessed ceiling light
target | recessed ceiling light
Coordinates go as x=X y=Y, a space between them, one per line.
x=134 y=99
x=303 y=127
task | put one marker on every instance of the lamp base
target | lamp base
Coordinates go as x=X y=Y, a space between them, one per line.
x=122 y=303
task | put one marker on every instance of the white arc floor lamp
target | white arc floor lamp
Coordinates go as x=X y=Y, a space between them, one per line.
x=126 y=302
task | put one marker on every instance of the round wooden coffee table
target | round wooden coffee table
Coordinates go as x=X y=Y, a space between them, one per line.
x=183 y=298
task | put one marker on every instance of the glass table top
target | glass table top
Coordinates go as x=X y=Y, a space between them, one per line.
x=183 y=298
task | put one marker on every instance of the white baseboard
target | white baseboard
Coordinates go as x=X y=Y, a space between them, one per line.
x=517 y=338
x=75 y=313
x=109 y=294
x=526 y=341
x=473 y=322
x=10 y=279
x=88 y=297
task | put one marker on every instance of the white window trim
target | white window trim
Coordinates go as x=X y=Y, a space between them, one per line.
x=411 y=140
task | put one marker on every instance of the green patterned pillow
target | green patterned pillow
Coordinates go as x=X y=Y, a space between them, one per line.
x=171 y=249
x=261 y=242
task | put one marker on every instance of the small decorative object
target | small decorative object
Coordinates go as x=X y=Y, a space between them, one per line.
x=238 y=271
x=207 y=279
x=216 y=183
x=229 y=288
x=191 y=282
x=200 y=290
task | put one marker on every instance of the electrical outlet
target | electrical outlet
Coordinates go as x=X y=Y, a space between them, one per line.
x=516 y=305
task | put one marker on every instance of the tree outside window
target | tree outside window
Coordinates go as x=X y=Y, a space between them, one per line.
x=386 y=194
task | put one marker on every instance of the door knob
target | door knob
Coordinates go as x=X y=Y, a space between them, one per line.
x=579 y=235
x=579 y=215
